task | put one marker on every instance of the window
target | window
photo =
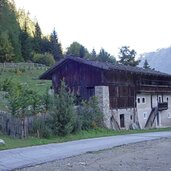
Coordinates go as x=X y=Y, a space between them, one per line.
x=143 y=100
x=138 y=100
x=167 y=99
x=169 y=115
x=159 y=99
x=145 y=115
x=131 y=117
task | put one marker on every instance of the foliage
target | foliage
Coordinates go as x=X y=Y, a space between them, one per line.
x=26 y=43
x=9 y=24
x=21 y=100
x=146 y=65
x=77 y=50
x=46 y=59
x=63 y=113
x=55 y=46
x=41 y=128
x=127 y=56
x=90 y=114
x=104 y=56
x=37 y=38
x=6 y=49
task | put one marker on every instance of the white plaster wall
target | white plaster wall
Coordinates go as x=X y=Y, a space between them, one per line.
x=164 y=120
x=127 y=116
x=143 y=108
x=165 y=115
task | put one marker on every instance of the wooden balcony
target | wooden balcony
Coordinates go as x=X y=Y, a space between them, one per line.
x=162 y=106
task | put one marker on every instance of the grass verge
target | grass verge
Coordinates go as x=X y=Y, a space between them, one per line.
x=32 y=141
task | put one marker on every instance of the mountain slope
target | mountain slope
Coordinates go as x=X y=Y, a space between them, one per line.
x=160 y=59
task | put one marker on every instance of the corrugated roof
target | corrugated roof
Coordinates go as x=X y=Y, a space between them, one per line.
x=105 y=66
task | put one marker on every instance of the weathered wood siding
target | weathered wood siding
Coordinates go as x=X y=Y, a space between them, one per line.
x=123 y=85
x=80 y=78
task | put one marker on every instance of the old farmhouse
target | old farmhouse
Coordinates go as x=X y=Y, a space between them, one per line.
x=126 y=94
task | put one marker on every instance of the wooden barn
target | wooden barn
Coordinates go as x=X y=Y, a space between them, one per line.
x=126 y=94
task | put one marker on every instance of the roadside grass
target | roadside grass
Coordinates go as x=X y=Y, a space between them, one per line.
x=32 y=141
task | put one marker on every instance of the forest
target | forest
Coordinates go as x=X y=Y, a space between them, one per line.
x=21 y=40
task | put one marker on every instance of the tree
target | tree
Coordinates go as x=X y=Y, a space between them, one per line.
x=9 y=24
x=26 y=44
x=105 y=57
x=127 y=56
x=46 y=59
x=77 y=50
x=63 y=112
x=6 y=49
x=93 y=55
x=146 y=65
x=56 y=49
x=37 y=38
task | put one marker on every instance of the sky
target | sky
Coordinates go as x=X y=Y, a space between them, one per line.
x=144 y=25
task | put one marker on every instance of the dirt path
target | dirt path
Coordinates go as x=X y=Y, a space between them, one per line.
x=145 y=156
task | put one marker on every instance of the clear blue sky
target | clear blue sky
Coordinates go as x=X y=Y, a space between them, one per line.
x=144 y=25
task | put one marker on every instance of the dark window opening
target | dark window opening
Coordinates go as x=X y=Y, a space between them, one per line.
x=159 y=99
x=131 y=117
x=138 y=100
x=90 y=92
x=122 y=121
x=143 y=100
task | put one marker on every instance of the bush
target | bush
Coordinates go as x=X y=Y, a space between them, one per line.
x=90 y=115
x=63 y=113
x=41 y=128
x=46 y=59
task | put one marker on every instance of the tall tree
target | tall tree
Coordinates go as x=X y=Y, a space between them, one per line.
x=8 y=22
x=127 y=56
x=26 y=44
x=146 y=65
x=93 y=54
x=6 y=49
x=77 y=50
x=105 y=57
x=56 y=49
x=37 y=38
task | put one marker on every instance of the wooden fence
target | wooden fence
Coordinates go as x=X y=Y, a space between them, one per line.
x=22 y=65
x=17 y=127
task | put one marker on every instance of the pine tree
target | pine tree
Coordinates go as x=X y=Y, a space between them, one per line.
x=6 y=49
x=146 y=65
x=26 y=44
x=56 y=49
x=37 y=38
x=105 y=57
x=63 y=113
x=127 y=56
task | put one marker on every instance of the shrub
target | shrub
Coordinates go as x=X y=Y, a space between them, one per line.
x=46 y=59
x=90 y=114
x=41 y=128
x=63 y=113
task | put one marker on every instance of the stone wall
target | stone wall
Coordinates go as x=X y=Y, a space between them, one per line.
x=102 y=93
x=112 y=117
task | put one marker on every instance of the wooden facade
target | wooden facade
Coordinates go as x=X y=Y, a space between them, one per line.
x=124 y=82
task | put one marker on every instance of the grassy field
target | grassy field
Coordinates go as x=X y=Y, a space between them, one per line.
x=32 y=141
x=28 y=77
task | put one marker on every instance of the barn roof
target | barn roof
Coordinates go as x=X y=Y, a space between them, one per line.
x=104 y=66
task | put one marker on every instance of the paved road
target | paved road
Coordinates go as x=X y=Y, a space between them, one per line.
x=23 y=157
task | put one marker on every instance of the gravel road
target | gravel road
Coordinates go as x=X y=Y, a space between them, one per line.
x=152 y=155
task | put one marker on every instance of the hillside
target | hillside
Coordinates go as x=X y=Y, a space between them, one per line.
x=26 y=75
x=160 y=59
